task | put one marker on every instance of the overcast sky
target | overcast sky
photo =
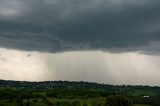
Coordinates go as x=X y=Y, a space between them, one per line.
x=110 y=41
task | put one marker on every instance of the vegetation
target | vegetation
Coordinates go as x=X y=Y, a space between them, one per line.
x=65 y=93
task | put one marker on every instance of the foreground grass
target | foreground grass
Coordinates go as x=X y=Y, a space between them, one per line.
x=141 y=105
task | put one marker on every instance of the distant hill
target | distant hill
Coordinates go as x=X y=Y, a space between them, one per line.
x=50 y=85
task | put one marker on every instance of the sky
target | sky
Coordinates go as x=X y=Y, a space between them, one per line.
x=104 y=41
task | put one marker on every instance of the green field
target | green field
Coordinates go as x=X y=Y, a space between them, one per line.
x=141 y=105
x=12 y=97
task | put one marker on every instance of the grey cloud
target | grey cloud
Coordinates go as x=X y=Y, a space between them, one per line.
x=59 y=25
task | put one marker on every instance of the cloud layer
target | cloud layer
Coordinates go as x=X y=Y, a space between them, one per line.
x=59 y=25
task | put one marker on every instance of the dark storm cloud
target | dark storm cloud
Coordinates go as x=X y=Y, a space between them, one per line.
x=60 y=25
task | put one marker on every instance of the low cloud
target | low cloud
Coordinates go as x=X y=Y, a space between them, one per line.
x=58 y=25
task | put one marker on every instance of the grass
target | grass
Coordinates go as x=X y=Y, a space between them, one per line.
x=142 y=92
x=141 y=105
x=40 y=93
x=89 y=102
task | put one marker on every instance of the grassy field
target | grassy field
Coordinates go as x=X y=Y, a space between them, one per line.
x=141 y=105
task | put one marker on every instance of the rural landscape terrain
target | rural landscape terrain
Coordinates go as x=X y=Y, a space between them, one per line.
x=66 y=93
x=79 y=52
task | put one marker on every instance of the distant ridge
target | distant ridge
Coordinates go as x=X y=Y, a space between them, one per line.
x=45 y=85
